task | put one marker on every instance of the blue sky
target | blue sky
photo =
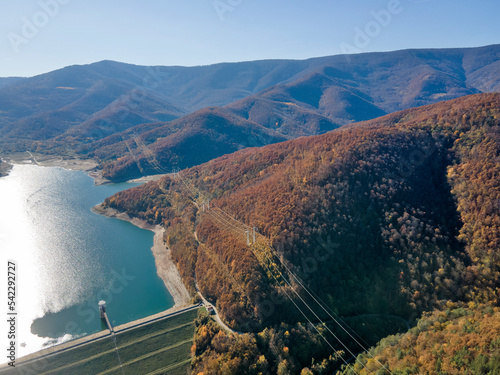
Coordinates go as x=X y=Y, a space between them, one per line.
x=38 y=36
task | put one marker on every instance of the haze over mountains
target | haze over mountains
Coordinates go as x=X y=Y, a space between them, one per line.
x=109 y=110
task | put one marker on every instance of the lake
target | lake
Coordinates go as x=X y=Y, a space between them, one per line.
x=68 y=258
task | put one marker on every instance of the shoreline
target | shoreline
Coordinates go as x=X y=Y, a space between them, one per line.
x=165 y=267
x=89 y=166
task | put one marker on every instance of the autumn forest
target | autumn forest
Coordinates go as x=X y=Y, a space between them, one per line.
x=392 y=225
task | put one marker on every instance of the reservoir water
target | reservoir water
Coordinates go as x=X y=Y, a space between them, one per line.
x=68 y=258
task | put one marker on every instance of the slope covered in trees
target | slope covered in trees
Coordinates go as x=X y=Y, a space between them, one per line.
x=188 y=141
x=385 y=218
x=454 y=340
x=330 y=92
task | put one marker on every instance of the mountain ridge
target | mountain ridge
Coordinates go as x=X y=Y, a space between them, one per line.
x=330 y=96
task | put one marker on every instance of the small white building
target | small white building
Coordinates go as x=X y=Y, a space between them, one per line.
x=102 y=308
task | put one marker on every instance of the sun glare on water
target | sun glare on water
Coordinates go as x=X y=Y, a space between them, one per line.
x=20 y=243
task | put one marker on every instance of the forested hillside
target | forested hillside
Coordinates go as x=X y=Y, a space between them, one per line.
x=188 y=141
x=327 y=93
x=383 y=219
x=454 y=340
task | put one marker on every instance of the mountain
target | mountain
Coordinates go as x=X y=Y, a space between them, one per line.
x=374 y=84
x=46 y=106
x=311 y=105
x=331 y=93
x=380 y=220
x=188 y=141
x=8 y=80
x=89 y=102
x=67 y=110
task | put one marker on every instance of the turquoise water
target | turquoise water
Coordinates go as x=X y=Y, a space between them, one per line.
x=69 y=258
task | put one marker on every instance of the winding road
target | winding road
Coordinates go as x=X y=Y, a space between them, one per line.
x=216 y=313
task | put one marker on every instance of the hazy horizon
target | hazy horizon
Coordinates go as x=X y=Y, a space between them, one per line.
x=243 y=61
x=39 y=36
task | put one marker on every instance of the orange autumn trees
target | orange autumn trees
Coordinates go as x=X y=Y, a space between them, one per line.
x=456 y=340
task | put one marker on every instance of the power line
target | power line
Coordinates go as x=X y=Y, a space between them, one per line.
x=315 y=315
x=229 y=225
x=322 y=305
x=233 y=224
x=307 y=318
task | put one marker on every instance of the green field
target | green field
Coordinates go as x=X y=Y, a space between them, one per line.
x=161 y=347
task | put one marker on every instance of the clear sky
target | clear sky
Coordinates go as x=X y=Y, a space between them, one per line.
x=38 y=36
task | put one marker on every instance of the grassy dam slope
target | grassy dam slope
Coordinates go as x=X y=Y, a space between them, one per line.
x=159 y=347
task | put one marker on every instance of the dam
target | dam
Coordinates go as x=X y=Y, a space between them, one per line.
x=158 y=344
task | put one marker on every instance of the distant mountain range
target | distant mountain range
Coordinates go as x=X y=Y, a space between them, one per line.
x=8 y=80
x=153 y=117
